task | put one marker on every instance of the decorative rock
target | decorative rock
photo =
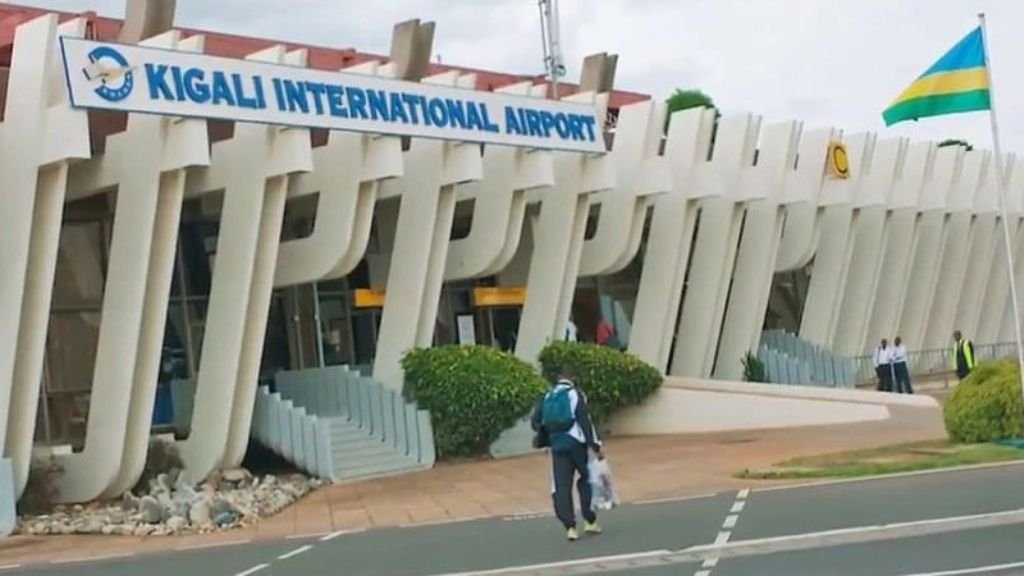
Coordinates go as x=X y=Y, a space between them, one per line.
x=199 y=513
x=224 y=518
x=230 y=500
x=177 y=524
x=151 y=510
x=237 y=475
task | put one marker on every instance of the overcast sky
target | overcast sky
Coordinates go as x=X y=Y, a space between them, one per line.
x=822 y=61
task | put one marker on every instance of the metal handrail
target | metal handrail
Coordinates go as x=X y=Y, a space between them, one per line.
x=933 y=362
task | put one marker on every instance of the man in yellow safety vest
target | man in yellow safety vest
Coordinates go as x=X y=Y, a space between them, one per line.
x=963 y=355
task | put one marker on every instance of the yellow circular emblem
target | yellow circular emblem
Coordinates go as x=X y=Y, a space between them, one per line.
x=839 y=163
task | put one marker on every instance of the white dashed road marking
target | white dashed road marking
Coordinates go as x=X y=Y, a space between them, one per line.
x=295 y=552
x=334 y=535
x=10 y=567
x=252 y=570
x=726 y=532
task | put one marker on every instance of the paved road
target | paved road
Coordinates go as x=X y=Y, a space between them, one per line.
x=927 y=524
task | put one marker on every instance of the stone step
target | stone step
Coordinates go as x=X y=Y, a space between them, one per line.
x=342 y=461
x=365 y=451
x=364 y=470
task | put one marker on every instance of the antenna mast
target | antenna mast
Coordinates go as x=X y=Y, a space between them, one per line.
x=549 y=33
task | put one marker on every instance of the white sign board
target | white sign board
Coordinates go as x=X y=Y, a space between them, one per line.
x=467 y=330
x=158 y=81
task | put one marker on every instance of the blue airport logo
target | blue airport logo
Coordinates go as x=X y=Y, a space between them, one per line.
x=111 y=69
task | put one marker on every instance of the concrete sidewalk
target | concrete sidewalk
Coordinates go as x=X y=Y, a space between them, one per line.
x=645 y=468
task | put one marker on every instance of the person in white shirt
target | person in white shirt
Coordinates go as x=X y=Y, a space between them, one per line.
x=571 y=332
x=900 y=371
x=883 y=366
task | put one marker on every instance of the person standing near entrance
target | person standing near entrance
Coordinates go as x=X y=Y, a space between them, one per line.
x=571 y=332
x=963 y=355
x=883 y=366
x=564 y=419
x=900 y=370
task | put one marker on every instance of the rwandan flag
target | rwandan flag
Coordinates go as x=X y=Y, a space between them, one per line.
x=956 y=83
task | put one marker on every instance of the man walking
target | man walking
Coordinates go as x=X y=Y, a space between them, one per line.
x=963 y=355
x=883 y=366
x=900 y=370
x=565 y=421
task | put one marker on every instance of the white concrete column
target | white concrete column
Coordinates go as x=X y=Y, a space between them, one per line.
x=956 y=248
x=499 y=203
x=714 y=251
x=834 y=245
x=1015 y=207
x=667 y=254
x=777 y=183
x=135 y=162
x=252 y=168
x=416 y=272
x=987 y=281
x=929 y=243
x=558 y=242
x=40 y=134
x=641 y=173
x=869 y=244
x=901 y=234
x=346 y=175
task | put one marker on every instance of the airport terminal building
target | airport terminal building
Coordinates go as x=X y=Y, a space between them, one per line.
x=237 y=216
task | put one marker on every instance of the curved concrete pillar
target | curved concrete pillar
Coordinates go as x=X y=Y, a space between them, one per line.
x=714 y=249
x=986 y=280
x=869 y=244
x=252 y=169
x=558 y=242
x=146 y=203
x=956 y=248
x=756 y=259
x=640 y=173
x=834 y=248
x=799 y=236
x=923 y=273
x=499 y=204
x=668 y=245
x=902 y=237
x=39 y=135
x=1015 y=207
x=416 y=271
x=346 y=175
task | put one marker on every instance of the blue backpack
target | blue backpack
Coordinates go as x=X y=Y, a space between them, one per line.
x=556 y=411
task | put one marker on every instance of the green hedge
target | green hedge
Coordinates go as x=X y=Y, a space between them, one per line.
x=987 y=405
x=474 y=393
x=611 y=379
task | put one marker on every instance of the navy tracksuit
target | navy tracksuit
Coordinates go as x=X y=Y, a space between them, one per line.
x=570 y=458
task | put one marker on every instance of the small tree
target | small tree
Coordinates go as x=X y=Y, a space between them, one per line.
x=686 y=99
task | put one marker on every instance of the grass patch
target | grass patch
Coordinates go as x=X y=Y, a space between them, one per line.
x=893 y=459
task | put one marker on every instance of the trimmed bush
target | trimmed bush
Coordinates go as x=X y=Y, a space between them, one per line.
x=987 y=405
x=611 y=379
x=473 y=393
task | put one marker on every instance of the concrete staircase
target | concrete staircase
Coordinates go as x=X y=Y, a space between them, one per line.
x=369 y=430
x=332 y=423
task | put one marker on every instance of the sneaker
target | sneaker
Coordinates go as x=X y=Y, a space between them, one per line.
x=592 y=528
x=572 y=534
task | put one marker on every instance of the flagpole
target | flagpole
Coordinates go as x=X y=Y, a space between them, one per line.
x=1001 y=186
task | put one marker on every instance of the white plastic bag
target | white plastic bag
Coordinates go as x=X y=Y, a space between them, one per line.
x=602 y=487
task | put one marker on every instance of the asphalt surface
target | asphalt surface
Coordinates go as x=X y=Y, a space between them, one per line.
x=941 y=531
